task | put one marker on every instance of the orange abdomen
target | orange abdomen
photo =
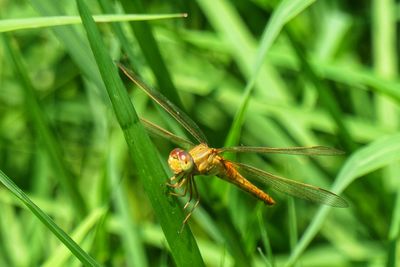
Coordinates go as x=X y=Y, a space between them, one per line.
x=233 y=176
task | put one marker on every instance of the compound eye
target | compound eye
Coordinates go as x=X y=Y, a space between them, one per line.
x=175 y=153
x=185 y=160
x=180 y=161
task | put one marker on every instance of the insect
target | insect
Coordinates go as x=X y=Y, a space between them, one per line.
x=201 y=159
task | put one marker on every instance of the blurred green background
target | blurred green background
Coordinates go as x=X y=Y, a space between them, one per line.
x=316 y=73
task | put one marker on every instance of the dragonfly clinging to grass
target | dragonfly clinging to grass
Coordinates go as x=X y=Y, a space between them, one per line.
x=201 y=159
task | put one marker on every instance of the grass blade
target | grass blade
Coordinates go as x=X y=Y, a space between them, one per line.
x=385 y=58
x=40 y=22
x=394 y=233
x=43 y=131
x=144 y=156
x=151 y=52
x=80 y=234
x=228 y=24
x=86 y=259
x=327 y=98
x=131 y=237
x=283 y=14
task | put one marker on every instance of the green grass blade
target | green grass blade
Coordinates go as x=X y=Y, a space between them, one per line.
x=184 y=249
x=72 y=40
x=394 y=233
x=43 y=131
x=356 y=77
x=122 y=37
x=283 y=14
x=131 y=234
x=61 y=255
x=269 y=258
x=293 y=234
x=240 y=44
x=86 y=259
x=151 y=52
x=385 y=58
x=327 y=98
x=365 y=160
x=40 y=22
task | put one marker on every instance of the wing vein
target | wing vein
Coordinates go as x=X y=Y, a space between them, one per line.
x=311 y=150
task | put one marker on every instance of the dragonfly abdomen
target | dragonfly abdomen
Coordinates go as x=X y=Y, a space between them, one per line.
x=231 y=175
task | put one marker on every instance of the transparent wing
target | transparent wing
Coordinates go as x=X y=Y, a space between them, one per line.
x=310 y=150
x=290 y=187
x=161 y=132
x=168 y=106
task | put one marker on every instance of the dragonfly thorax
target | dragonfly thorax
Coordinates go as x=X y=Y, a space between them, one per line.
x=180 y=161
x=206 y=160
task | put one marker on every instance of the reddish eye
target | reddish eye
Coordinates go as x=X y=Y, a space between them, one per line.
x=175 y=153
x=180 y=161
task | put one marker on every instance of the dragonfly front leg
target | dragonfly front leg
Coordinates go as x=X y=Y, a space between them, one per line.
x=182 y=181
x=171 y=180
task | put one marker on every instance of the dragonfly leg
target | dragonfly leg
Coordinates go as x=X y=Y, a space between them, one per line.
x=197 y=196
x=171 y=181
x=190 y=186
x=195 y=193
x=182 y=183
x=178 y=184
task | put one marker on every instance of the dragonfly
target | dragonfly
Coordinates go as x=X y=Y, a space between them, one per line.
x=201 y=159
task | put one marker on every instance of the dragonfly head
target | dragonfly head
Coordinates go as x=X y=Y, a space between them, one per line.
x=180 y=161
